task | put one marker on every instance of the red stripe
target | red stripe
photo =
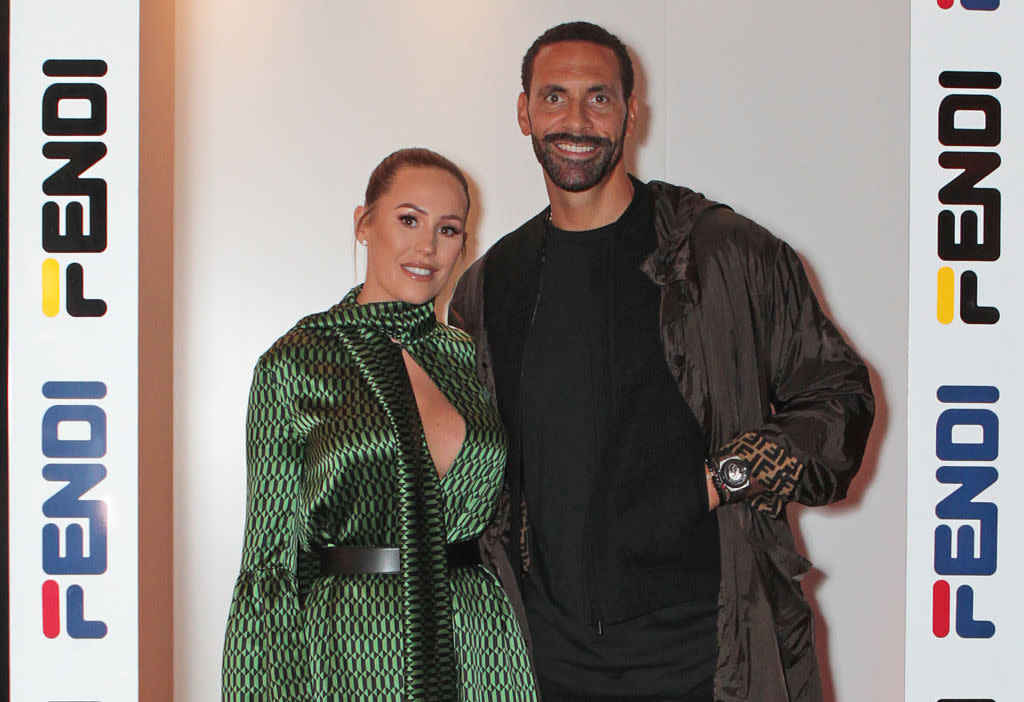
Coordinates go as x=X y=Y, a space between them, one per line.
x=940 y=608
x=51 y=609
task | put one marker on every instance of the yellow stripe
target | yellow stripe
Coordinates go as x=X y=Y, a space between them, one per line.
x=51 y=287
x=944 y=297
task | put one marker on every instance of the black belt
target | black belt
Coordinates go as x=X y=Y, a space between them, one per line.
x=348 y=560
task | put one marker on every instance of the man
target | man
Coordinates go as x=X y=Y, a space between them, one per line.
x=669 y=383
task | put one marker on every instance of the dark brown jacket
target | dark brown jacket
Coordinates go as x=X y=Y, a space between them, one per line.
x=765 y=372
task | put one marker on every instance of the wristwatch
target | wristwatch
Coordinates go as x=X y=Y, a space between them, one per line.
x=731 y=476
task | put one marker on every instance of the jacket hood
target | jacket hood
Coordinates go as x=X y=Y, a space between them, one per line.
x=676 y=209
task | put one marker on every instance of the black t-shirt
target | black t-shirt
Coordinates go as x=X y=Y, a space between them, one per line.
x=622 y=591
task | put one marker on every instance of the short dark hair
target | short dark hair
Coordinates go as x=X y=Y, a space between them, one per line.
x=384 y=174
x=581 y=31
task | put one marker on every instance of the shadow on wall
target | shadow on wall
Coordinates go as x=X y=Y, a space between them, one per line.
x=865 y=476
x=156 y=336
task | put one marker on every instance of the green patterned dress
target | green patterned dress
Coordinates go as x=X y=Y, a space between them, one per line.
x=337 y=456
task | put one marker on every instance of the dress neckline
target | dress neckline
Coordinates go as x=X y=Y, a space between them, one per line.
x=404 y=322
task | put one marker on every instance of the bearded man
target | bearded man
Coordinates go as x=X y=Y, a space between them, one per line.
x=669 y=383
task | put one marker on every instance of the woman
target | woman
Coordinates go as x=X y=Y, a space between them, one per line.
x=374 y=461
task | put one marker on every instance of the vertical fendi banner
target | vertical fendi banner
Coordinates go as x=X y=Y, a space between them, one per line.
x=73 y=352
x=965 y=618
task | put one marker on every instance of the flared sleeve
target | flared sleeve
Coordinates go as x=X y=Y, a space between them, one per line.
x=265 y=652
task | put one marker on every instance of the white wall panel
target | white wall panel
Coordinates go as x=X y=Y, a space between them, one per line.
x=965 y=623
x=73 y=357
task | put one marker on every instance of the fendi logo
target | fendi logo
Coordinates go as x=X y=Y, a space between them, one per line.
x=967 y=442
x=76 y=107
x=74 y=430
x=970 y=121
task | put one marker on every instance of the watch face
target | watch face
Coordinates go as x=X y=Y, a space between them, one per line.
x=735 y=472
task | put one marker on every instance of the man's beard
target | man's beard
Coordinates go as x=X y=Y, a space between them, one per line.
x=577 y=175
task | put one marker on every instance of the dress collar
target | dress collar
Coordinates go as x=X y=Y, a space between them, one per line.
x=404 y=322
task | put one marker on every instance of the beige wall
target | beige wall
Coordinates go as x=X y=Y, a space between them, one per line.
x=156 y=278
x=794 y=112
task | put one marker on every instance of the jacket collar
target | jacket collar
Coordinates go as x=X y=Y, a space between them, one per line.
x=514 y=264
x=512 y=277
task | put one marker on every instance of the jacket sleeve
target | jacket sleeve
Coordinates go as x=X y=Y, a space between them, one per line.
x=265 y=654
x=466 y=308
x=811 y=446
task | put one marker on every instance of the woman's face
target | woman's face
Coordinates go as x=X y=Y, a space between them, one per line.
x=413 y=236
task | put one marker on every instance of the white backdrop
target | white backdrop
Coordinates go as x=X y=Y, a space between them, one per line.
x=963 y=640
x=794 y=112
x=73 y=369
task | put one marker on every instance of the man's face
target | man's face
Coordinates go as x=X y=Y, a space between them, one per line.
x=576 y=113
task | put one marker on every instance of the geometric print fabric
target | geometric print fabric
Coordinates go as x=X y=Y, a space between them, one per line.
x=777 y=471
x=325 y=460
x=493 y=663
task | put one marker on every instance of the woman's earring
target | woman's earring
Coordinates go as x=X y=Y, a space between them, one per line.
x=362 y=242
